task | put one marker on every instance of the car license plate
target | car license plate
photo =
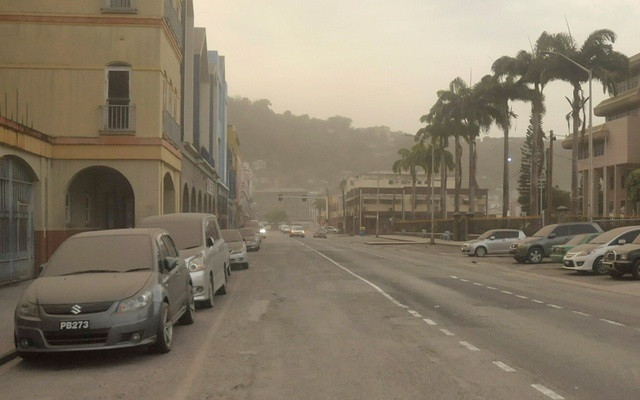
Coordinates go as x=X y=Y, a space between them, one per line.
x=74 y=325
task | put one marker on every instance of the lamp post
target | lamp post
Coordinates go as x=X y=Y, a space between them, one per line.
x=591 y=180
x=433 y=224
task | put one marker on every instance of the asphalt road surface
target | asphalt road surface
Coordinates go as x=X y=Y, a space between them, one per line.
x=338 y=319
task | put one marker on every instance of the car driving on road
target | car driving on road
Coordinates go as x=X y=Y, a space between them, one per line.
x=251 y=238
x=105 y=290
x=496 y=241
x=296 y=230
x=237 y=247
x=197 y=238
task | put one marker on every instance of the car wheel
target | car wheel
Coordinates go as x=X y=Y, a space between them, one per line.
x=480 y=251
x=615 y=274
x=598 y=267
x=535 y=255
x=208 y=303
x=187 y=317
x=223 y=289
x=635 y=269
x=164 y=333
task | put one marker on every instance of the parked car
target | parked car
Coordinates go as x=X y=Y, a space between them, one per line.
x=589 y=257
x=104 y=290
x=197 y=237
x=296 y=230
x=624 y=260
x=320 y=233
x=286 y=229
x=559 y=250
x=535 y=248
x=251 y=238
x=331 y=229
x=237 y=247
x=495 y=241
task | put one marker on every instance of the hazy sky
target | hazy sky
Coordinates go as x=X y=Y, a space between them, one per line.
x=381 y=62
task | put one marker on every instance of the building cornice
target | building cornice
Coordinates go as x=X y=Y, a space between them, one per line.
x=622 y=102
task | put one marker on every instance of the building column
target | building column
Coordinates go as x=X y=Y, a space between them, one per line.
x=616 y=206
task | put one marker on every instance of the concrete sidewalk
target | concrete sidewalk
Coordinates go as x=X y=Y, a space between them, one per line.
x=9 y=297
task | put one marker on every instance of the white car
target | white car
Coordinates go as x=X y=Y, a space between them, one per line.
x=588 y=257
x=237 y=247
x=199 y=242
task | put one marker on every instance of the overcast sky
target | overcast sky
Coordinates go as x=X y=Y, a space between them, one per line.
x=381 y=62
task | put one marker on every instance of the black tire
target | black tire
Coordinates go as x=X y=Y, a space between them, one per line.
x=208 y=303
x=164 y=333
x=598 y=267
x=615 y=274
x=481 y=251
x=222 y=289
x=535 y=255
x=189 y=312
x=635 y=269
x=245 y=265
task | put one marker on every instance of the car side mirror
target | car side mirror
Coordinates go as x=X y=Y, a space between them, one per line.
x=552 y=235
x=209 y=241
x=622 y=241
x=492 y=238
x=170 y=263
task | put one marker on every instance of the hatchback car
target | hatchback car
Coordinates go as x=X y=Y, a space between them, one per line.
x=104 y=290
x=237 y=247
x=496 y=241
x=589 y=257
x=251 y=238
x=535 y=248
x=197 y=237
x=320 y=233
x=296 y=230
x=558 y=251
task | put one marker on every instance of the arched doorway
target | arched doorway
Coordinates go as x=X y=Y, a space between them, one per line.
x=168 y=195
x=16 y=219
x=185 y=198
x=99 y=198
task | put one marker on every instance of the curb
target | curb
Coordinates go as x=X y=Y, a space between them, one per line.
x=8 y=356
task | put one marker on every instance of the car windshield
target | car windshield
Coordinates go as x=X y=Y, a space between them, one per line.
x=106 y=253
x=486 y=235
x=186 y=234
x=608 y=236
x=545 y=231
x=247 y=232
x=231 y=235
x=576 y=240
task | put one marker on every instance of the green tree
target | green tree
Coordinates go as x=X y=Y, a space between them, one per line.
x=410 y=160
x=606 y=65
x=633 y=187
x=524 y=180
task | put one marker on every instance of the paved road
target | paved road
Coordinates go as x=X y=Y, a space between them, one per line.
x=337 y=319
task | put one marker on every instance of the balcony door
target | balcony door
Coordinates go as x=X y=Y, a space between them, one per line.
x=118 y=97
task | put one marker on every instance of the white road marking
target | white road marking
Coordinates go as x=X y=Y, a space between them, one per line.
x=415 y=313
x=464 y=280
x=377 y=288
x=537 y=301
x=504 y=366
x=454 y=277
x=491 y=287
x=506 y=292
x=521 y=296
x=429 y=321
x=548 y=392
x=611 y=322
x=469 y=346
x=478 y=284
x=554 y=306
x=582 y=313
x=447 y=332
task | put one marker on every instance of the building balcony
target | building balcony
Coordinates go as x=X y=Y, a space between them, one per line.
x=120 y=6
x=117 y=118
x=171 y=129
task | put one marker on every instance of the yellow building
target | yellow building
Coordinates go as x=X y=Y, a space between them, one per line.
x=90 y=134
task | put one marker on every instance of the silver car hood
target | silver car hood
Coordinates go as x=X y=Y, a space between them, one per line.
x=235 y=245
x=188 y=254
x=86 y=288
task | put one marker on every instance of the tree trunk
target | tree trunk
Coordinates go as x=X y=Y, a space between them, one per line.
x=473 y=184
x=533 y=196
x=413 y=195
x=458 y=174
x=505 y=173
x=575 y=114
x=443 y=184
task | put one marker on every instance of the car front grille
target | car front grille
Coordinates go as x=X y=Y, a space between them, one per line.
x=85 y=308
x=62 y=338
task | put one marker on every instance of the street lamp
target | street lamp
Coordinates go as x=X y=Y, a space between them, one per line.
x=591 y=180
x=433 y=160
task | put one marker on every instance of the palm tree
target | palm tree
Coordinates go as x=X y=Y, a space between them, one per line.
x=500 y=90
x=439 y=140
x=410 y=160
x=606 y=65
x=533 y=68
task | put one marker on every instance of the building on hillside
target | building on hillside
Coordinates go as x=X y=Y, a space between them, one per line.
x=616 y=148
x=110 y=131
x=388 y=196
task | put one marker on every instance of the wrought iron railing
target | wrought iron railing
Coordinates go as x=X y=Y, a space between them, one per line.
x=120 y=6
x=118 y=118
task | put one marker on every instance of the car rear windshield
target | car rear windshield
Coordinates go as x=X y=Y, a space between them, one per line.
x=101 y=253
x=185 y=234
x=231 y=235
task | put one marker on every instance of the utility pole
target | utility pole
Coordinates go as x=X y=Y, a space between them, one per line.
x=552 y=138
x=378 y=207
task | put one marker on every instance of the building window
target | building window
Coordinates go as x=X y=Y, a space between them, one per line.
x=390 y=181
x=118 y=113
x=598 y=149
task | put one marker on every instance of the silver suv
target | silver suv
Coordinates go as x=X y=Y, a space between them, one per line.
x=533 y=249
x=495 y=241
